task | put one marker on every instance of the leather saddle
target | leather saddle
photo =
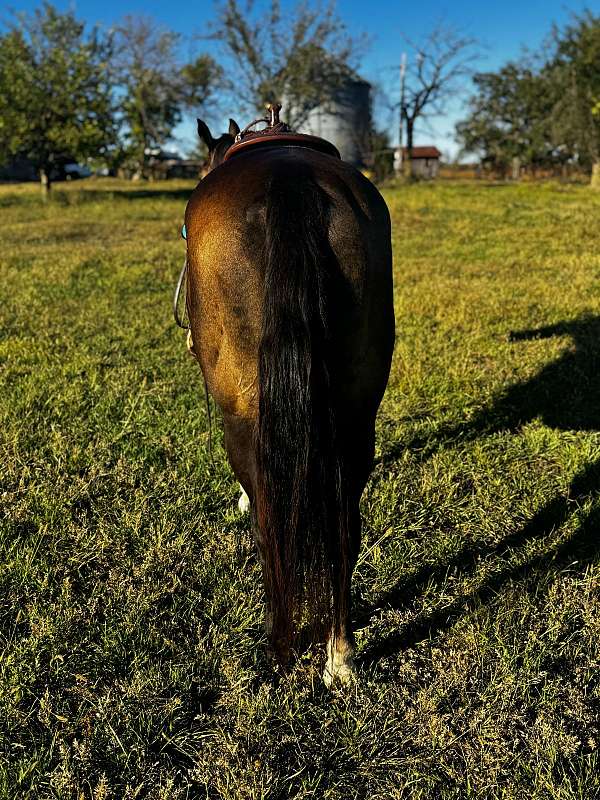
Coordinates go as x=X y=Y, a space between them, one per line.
x=275 y=134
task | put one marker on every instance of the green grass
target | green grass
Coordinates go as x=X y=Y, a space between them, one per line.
x=132 y=655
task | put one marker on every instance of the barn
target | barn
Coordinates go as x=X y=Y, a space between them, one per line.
x=425 y=162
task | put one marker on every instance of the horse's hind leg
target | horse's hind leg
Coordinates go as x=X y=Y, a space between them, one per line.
x=340 y=649
x=358 y=460
x=239 y=435
x=238 y=444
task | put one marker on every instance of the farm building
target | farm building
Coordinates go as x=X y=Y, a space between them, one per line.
x=425 y=162
x=345 y=120
x=169 y=164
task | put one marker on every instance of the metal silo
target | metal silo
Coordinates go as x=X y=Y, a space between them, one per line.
x=344 y=120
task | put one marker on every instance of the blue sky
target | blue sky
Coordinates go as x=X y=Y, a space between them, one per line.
x=503 y=28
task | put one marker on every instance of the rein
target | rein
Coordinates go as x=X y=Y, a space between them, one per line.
x=179 y=319
x=180 y=322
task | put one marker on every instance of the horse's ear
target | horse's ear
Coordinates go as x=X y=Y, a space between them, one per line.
x=205 y=134
x=234 y=128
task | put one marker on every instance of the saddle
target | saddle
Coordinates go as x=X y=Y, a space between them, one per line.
x=275 y=134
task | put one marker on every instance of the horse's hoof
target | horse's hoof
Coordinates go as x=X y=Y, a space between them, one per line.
x=244 y=503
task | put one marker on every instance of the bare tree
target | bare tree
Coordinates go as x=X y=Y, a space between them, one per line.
x=435 y=73
x=299 y=56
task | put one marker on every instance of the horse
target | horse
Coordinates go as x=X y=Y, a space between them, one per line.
x=289 y=300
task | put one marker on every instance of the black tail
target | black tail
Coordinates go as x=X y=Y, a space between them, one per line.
x=300 y=502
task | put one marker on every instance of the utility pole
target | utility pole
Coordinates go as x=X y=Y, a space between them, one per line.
x=401 y=124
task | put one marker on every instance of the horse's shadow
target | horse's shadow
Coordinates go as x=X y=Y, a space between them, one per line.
x=565 y=394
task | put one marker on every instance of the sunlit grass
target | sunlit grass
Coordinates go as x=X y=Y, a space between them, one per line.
x=132 y=654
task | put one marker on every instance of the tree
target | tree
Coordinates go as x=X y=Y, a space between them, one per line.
x=299 y=57
x=576 y=68
x=510 y=120
x=435 y=72
x=542 y=115
x=55 y=94
x=155 y=86
x=382 y=156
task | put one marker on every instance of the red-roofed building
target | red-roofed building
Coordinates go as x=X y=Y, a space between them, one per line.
x=425 y=162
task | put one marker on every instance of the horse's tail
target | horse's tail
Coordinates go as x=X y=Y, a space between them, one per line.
x=300 y=500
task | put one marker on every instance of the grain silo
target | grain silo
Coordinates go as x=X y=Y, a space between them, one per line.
x=344 y=120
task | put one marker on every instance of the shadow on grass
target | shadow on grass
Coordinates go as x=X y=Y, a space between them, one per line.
x=582 y=547
x=565 y=395
x=81 y=196
x=142 y=194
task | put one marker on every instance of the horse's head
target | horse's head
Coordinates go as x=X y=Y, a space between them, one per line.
x=217 y=147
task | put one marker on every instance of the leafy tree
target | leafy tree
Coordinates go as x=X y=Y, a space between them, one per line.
x=576 y=69
x=55 y=93
x=299 y=57
x=154 y=86
x=544 y=115
x=510 y=118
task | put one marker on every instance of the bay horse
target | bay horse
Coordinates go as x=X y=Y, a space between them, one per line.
x=289 y=298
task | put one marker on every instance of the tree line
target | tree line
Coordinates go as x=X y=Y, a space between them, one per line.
x=542 y=111
x=68 y=91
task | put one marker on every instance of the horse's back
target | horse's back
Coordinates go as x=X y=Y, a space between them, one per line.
x=225 y=221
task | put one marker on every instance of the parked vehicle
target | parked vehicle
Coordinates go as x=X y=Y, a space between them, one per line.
x=70 y=172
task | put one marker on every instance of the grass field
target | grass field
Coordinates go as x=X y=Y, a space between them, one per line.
x=132 y=653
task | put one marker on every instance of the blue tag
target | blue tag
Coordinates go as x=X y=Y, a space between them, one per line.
x=184 y=232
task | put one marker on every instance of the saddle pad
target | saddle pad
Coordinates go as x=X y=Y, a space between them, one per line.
x=289 y=139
